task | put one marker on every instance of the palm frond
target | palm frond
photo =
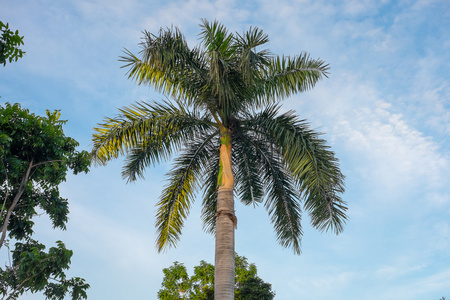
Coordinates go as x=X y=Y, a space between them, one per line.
x=313 y=166
x=210 y=188
x=177 y=196
x=141 y=157
x=225 y=84
x=282 y=202
x=247 y=172
x=215 y=38
x=286 y=75
x=168 y=64
x=250 y=60
x=327 y=210
x=158 y=128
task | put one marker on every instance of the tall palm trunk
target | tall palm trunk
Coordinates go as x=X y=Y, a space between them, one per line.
x=225 y=224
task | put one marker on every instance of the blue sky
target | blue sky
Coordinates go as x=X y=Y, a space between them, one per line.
x=385 y=110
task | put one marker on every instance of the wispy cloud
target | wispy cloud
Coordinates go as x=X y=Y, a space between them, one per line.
x=398 y=155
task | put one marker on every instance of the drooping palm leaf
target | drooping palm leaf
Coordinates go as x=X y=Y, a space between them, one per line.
x=209 y=202
x=248 y=184
x=282 y=201
x=327 y=210
x=312 y=165
x=176 y=198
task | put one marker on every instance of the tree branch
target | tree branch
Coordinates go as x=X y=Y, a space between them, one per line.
x=10 y=297
x=7 y=191
x=22 y=186
x=46 y=162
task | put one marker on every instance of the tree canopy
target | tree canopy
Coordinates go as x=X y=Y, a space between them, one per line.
x=9 y=44
x=34 y=270
x=177 y=284
x=35 y=156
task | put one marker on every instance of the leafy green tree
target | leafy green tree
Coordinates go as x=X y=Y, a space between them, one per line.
x=35 y=157
x=203 y=281
x=34 y=270
x=9 y=43
x=248 y=286
x=225 y=119
x=178 y=285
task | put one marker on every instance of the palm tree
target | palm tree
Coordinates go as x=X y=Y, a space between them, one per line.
x=224 y=118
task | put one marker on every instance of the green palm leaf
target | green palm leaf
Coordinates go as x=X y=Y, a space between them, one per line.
x=282 y=201
x=168 y=64
x=159 y=129
x=177 y=196
x=286 y=75
x=209 y=202
x=313 y=166
x=250 y=60
x=248 y=184
x=327 y=210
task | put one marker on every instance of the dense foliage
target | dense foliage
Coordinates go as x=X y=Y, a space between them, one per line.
x=35 y=156
x=178 y=285
x=9 y=43
x=35 y=270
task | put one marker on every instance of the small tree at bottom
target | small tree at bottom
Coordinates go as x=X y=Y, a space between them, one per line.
x=35 y=270
x=178 y=285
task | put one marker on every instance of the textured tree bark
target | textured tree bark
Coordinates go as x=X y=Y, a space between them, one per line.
x=225 y=225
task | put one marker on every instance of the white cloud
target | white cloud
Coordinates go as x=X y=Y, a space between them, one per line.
x=431 y=92
x=438 y=199
x=399 y=155
x=391 y=272
x=107 y=10
x=396 y=155
x=355 y=7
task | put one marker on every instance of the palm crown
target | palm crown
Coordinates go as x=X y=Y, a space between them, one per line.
x=225 y=95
